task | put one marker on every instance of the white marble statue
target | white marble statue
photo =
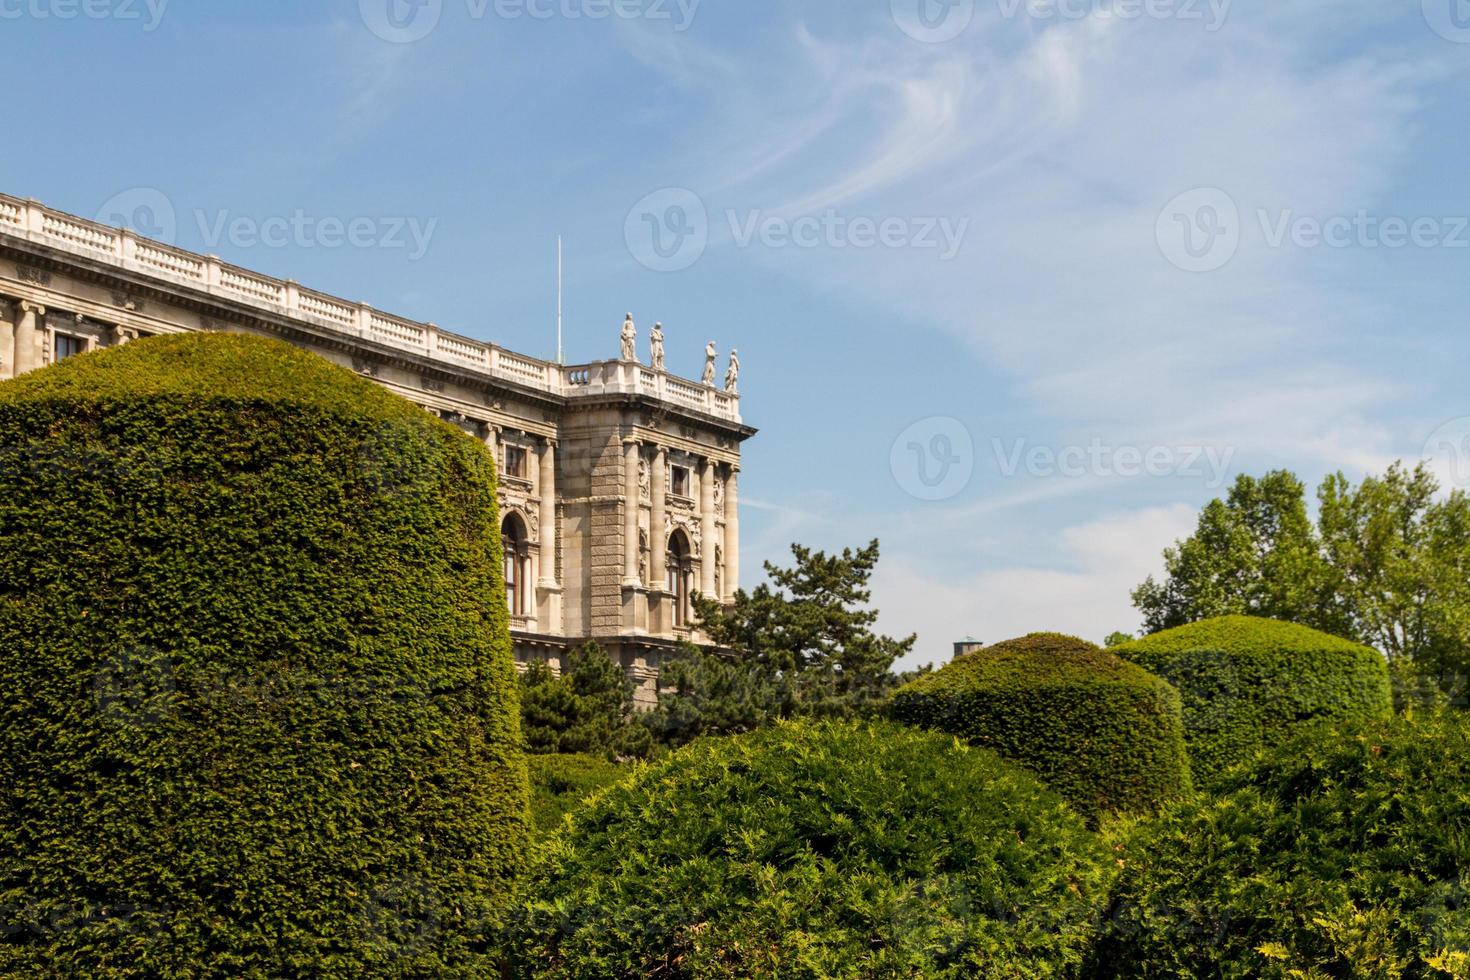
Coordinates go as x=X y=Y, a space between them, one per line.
x=732 y=376
x=656 y=346
x=709 y=364
x=630 y=340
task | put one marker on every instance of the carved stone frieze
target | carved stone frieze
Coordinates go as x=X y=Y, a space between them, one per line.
x=31 y=274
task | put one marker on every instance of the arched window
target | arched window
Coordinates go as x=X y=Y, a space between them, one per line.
x=517 y=563
x=681 y=574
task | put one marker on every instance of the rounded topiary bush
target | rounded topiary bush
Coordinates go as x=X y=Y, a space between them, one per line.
x=1249 y=684
x=1104 y=733
x=816 y=850
x=257 y=706
x=1343 y=854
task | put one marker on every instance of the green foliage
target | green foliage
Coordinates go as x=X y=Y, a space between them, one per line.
x=1401 y=562
x=259 y=713
x=1388 y=565
x=588 y=709
x=1253 y=554
x=1250 y=684
x=1118 y=639
x=809 y=631
x=561 y=783
x=1105 y=734
x=816 y=849
x=704 y=694
x=1343 y=855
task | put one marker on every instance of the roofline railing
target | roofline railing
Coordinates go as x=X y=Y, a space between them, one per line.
x=35 y=222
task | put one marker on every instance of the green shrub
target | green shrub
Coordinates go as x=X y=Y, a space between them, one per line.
x=589 y=708
x=561 y=783
x=1250 y=684
x=816 y=849
x=259 y=712
x=1103 y=733
x=1344 y=854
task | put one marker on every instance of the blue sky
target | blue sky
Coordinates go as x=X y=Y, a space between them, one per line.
x=1017 y=285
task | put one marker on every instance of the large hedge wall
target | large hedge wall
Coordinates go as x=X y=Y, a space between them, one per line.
x=816 y=849
x=1344 y=854
x=1250 y=684
x=1103 y=733
x=257 y=707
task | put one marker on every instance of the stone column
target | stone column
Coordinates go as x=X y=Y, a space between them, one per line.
x=631 y=506
x=707 y=529
x=547 y=487
x=9 y=310
x=26 y=334
x=732 y=533
x=658 y=542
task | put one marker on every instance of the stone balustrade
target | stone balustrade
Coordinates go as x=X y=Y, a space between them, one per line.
x=34 y=222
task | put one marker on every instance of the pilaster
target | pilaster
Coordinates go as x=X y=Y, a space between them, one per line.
x=707 y=529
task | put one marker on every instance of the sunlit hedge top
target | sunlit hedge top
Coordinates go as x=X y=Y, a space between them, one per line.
x=1249 y=636
x=1105 y=734
x=214 y=367
x=1249 y=684
x=257 y=703
x=1037 y=660
x=816 y=850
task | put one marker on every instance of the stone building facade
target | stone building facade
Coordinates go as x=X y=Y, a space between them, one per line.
x=619 y=482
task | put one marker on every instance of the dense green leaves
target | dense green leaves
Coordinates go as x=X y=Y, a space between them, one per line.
x=1250 y=684
x=1343 y=855
x=1253 y=554
x=1103 y=733
x=801 y=645
x=816 y=849
x=1388 y=565
x=561 y=783
x=588 y=709
x=259 y=714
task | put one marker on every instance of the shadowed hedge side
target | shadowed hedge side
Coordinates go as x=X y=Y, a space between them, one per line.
x=1250 y=684
x=257 y=707
x=1345 y=853
x=1103 y=733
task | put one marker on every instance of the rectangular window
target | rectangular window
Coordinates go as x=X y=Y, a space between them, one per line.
x=69 y=346
x=679 y=483
x=515 y=462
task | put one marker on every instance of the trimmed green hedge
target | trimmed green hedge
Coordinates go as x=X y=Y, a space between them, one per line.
x=816 y=850
x=561 y=783
x=1250 y=684
x=1343 y=854
x=257 y=706
x=1103 y=733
